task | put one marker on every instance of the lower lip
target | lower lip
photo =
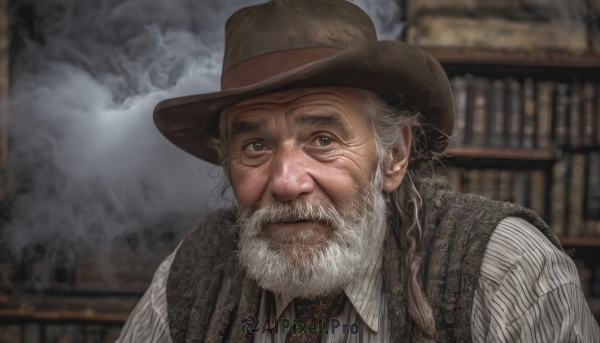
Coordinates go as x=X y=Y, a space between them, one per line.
x=281 y=233
x=294 y=225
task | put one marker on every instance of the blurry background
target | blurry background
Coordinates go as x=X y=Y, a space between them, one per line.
x=93 y=197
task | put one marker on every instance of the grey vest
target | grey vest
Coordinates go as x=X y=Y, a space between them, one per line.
x=208 y=294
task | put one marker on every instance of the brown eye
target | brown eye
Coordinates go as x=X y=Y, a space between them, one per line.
x=256 y=146
x=323 y=141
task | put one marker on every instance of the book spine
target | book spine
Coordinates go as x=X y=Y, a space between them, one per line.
x=575 y=117
x=591 y=227
x=480 y=107
x=474 y=181
x=528 y=113
x=585 y=276
x=459 y=89
x=576 y=195
x=596 y=229
x=514 y=112
x=455 y=175
x=497 y=120
x=537 y=193
x=597 y=117
x=32 y=333
x=505 y=185
x=588 y=104
x=544 y=113
x=489 y=183
x=10 y=333
x=561 y=110
x=593 y=187
x=521 y=185
x=558 y=203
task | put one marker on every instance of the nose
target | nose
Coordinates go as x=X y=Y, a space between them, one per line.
x=289 y=176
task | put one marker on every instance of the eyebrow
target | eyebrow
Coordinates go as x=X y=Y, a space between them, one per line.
x=242 y=127
x=329 y=119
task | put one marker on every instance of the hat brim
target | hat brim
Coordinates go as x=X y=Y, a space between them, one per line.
x=388 y=68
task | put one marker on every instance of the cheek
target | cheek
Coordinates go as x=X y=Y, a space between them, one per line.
x=340 y=182
x=248 y=185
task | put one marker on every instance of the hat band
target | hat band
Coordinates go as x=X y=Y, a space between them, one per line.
x=265 y=66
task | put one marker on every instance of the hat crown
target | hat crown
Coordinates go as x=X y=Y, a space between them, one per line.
x=282 y=25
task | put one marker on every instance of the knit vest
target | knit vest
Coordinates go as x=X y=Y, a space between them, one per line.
x=208 y=294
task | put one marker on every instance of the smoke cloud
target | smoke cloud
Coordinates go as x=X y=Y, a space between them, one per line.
x=89 y=165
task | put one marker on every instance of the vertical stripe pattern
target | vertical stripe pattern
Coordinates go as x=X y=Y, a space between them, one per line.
x=528 y=291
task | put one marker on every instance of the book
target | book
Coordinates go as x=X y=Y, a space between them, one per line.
x=558 y=195
x=514 y=112
x=31 y=333
x=505 y=185
x=473 y=185
x=10 y=333
x=455 y=176
x=497 y=120
x=585 y=276
x=537 y=192
x=459 y=89
x=561 y=110
x=479 y=109
x=592 y=227
x=544 y=114
x=593 y=187
x=588 y=102
x=489 y=183
x=521 y=188
x=575 y=117
x=493 y=33
x=528 y=113
x=597 y=124
x=576 y=195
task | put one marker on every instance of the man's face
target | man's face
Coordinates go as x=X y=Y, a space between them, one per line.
x=302 y=165
x=305 y=143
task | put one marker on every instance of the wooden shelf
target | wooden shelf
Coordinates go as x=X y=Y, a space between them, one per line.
x=517 y=59
x=581 y=241
x=66 y=308
x=467 y=151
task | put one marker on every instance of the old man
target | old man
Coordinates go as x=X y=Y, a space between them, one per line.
x=341 y=231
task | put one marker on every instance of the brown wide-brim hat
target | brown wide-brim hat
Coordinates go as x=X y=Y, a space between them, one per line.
x=286 y=44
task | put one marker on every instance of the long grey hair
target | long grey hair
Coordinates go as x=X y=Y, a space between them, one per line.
x=388 y=118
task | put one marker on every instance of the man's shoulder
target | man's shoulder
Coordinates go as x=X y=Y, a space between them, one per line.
x=456 y=201
x=516 y=245
x=481 y=213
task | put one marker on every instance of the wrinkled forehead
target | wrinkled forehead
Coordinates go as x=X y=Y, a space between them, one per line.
x=347 y=102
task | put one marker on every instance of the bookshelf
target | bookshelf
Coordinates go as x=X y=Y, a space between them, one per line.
x=86 y=309
x=582 y=242
x=470 y=151
x=515 y=59
x=574 y=241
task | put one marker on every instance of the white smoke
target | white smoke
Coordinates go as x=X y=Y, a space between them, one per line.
x=90 y=167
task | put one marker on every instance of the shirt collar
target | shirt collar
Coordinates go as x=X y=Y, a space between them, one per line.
x=365 y=292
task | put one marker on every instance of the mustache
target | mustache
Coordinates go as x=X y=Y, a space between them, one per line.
x=322 y=211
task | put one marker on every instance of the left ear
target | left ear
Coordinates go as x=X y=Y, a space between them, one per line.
x=394 y=173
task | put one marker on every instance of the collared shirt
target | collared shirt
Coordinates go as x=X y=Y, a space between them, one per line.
x=528 y=291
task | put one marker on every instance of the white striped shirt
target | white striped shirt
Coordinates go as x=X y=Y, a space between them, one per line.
x=528 y=291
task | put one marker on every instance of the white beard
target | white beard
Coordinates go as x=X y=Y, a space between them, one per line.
x=297 y=269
